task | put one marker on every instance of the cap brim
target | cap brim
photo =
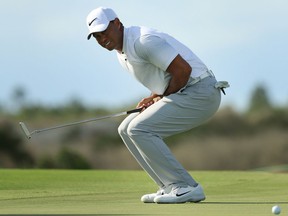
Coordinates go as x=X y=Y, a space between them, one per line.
x=97 y=28
x=89 y=36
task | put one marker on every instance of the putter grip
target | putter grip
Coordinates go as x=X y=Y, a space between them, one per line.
x=134 y=110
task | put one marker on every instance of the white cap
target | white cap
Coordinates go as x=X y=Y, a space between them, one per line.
x=99 y=19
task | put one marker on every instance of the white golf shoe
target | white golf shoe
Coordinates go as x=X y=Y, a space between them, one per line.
x=182 y=195
x=149 y=198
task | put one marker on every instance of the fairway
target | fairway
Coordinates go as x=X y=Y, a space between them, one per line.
x=109 y=192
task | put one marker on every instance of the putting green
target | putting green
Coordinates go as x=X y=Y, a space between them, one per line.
x=118 y=193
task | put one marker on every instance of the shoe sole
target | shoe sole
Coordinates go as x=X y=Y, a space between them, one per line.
x=191 y=201
x=148 y=201
x=197 y=201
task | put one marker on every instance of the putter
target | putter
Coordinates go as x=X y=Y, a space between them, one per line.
x=29 y=134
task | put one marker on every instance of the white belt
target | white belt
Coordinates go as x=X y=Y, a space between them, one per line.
x=207 y=73
x=219 y=85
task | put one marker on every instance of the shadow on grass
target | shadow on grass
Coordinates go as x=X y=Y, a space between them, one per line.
x=69 y=214
x=243 y=203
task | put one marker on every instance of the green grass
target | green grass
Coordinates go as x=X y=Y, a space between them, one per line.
x=118 y=192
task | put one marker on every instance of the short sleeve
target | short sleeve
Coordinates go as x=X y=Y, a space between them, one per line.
x=155 y=50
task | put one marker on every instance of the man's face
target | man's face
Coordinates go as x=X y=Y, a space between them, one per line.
x=112 y=37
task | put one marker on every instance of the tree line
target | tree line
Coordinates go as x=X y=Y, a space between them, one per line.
x=85 y=147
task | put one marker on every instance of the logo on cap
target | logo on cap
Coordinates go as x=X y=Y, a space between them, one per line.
x=92 y=21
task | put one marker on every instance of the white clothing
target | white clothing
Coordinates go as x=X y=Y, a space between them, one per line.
x=147 y=53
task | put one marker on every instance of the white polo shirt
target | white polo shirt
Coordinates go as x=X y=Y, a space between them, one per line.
x=147 y=53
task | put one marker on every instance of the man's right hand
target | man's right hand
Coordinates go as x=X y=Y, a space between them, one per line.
x=148 y=101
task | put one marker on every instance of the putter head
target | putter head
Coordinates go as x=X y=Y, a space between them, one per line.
x=25 y=130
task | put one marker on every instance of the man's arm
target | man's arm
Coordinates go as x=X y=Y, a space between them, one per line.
x=180 y=72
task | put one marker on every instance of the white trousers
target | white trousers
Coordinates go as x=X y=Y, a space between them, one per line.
x=143 y=133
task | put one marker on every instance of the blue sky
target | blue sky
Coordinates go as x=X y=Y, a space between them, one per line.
x=44 y=48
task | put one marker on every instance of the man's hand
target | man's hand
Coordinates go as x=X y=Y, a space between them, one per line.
x=148 y=101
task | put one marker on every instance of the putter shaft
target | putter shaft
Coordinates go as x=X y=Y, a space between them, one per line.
x=29 y=134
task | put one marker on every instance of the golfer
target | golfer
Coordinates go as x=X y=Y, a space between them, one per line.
x=184 y=94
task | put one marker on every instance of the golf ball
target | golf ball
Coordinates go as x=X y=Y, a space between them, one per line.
x=276 y=210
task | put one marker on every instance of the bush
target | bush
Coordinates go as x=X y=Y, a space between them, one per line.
x=68 y=159
x=12 y=150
